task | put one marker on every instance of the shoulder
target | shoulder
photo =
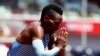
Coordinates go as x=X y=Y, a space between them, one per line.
x=36 y=29
x=35 y=26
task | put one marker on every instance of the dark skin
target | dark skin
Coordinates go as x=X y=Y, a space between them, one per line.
x=48 y=25
x=61 y=34
x=51 y=24
x=30 y=33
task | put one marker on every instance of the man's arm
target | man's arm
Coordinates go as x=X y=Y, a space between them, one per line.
x=38 y=44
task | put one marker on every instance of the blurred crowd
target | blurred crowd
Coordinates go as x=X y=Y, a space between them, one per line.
x=72 y=8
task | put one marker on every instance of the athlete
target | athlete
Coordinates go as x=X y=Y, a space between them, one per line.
x=33 y=40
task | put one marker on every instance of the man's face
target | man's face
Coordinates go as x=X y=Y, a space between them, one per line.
x=53 y=23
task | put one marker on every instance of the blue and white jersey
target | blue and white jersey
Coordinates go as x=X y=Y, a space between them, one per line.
x=46 y=40
x=18 y=49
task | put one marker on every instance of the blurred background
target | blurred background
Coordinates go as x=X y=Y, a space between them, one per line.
x=81 y=17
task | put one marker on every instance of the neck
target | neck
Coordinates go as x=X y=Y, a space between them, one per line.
x=46 y=30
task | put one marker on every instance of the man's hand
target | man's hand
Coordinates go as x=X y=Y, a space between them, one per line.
x=62 y=41
x=60 y=38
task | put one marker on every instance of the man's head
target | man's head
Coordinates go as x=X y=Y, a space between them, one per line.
x=51 y=18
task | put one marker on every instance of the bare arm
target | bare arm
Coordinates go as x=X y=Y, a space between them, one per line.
x=37 y=42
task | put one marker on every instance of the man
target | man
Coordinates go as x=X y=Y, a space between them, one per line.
x=29 y=41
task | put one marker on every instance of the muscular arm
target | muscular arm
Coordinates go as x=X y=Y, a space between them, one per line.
x=37 y=42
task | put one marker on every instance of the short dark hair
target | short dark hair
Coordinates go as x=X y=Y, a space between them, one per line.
x=49 y=9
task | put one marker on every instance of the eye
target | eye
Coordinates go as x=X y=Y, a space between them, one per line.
x=58 y=22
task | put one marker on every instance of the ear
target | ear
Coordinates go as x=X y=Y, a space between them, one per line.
x=46 y=18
